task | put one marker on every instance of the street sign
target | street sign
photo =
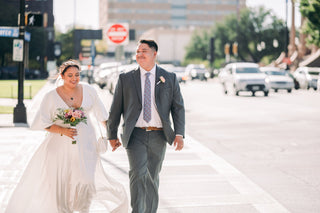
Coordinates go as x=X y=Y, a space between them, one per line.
x=86 y=51
x=27 y=36
x=12 y=32
x=118 y=34
x=17 y=50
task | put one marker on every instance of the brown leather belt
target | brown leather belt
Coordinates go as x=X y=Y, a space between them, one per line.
x=151 y=128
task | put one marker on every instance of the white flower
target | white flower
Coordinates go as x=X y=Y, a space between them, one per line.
x=162 y=80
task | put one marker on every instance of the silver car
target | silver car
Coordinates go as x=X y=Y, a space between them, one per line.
x=279 y=79
x=307 y=77
x=243 y=76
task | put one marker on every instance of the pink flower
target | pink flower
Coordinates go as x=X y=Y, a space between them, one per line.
x=77 y=114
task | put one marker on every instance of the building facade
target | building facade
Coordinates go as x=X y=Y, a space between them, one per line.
x=143 y=15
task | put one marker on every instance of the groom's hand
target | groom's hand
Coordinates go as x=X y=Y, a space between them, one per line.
x=115 y=143
x=178 y=142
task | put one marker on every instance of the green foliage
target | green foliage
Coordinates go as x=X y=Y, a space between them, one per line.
x=198 y=48
x=255 y=26
x=311 y=10
x=195 y=61
x=66 y=40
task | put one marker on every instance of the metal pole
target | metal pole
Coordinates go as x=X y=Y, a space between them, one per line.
x=286 y=34
x=19 y=114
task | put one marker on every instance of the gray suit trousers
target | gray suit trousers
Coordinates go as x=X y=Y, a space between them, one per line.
x=146 y=151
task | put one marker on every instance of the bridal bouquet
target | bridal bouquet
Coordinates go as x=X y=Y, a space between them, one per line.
x=71 y=116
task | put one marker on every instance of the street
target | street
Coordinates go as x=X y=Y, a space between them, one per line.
x=274 y=141
x=242 y=153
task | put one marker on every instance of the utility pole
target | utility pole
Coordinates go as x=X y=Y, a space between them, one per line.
x=20 y=114
x=286 y=34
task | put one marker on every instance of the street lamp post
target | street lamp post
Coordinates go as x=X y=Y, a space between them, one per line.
x=286 y=32
x=19 y=114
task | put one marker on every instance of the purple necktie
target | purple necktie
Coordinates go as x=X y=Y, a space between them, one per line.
x=147 y=99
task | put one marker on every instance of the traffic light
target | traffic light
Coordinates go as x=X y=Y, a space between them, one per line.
x=235 y=48
x=57 y=50
x=227 y=49
x=34 y=20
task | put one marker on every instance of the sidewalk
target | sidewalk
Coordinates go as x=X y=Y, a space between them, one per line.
x=194 y=180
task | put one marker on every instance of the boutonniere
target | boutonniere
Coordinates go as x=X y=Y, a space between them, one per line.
x=161 y=80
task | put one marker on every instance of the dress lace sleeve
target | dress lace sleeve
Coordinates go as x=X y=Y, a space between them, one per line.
x=99 y=108
x=45 y=113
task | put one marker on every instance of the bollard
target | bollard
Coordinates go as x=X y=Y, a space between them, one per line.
x=11 y=90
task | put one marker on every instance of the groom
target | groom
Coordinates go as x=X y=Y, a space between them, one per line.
x=145 y=97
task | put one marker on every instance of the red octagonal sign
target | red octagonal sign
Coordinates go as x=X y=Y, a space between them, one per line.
x=117 y=33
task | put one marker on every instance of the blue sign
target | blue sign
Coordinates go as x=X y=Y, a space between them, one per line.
x=12 y=32
x=27 y=36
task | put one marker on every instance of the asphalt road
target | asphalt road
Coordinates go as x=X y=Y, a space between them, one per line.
x=274 y=141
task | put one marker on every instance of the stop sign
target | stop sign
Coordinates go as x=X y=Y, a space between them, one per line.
x=117 y=33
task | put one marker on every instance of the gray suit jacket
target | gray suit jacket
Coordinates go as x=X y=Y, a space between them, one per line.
x=127 y=101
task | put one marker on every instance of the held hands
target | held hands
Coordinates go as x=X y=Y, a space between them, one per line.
x=178 y=143
x=115 y=143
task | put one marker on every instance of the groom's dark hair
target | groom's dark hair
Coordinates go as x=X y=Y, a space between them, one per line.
x=151 y=43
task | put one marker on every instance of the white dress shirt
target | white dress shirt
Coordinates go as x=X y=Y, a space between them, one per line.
x=155 y=118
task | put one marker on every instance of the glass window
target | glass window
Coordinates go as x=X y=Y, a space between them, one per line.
x=247 y=70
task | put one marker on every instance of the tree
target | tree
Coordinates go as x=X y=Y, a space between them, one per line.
x=255 y=28
x=199 y=48
x=66 y=40
x=311 y=10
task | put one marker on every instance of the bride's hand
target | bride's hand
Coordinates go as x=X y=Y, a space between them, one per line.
x=70 y=132
x=115 y=143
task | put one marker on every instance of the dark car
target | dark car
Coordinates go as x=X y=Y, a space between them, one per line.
x=197 y=71
x=13 y=73
x=9 y=72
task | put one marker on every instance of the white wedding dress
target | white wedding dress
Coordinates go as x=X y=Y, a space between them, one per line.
x=63 y=177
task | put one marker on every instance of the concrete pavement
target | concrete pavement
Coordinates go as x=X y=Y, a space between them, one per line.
x=194 y=180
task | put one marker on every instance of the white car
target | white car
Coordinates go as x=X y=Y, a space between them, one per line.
x=318 y=84
x=243 y=76
x=307 y=77
x=279 y=78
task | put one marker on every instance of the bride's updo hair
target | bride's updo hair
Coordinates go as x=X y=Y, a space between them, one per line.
x=67 y=64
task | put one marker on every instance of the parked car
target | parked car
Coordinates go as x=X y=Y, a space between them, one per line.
x=318 y=84
x=295 y=82
x=180 y=73
x=114 y=76
x=104 y=71
x=10 y=72
x=307 y=77
x=197 y=71
x=87 y=73
x=279 y=79
x=244 y=76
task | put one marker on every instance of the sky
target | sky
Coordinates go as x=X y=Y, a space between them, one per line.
x=87 y=12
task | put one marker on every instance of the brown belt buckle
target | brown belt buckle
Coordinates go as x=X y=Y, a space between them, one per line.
x=148 y=129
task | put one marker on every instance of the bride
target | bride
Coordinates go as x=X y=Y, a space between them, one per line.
x=63 y=177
